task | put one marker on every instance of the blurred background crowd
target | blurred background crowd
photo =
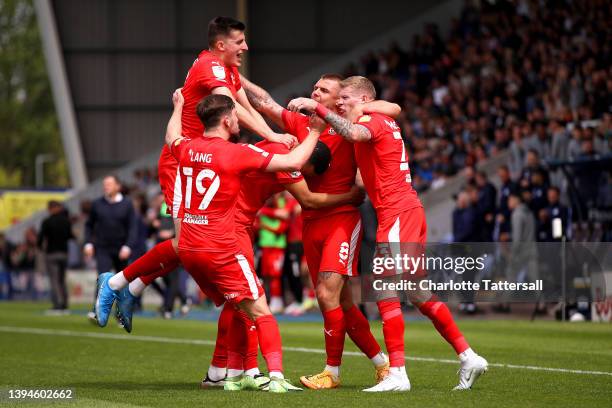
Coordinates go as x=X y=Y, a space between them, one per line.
x=527 y=80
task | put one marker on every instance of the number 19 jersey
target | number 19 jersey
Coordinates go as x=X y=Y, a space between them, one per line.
x=210 y=170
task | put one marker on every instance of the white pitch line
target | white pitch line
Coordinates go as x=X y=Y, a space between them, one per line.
x=171 y=340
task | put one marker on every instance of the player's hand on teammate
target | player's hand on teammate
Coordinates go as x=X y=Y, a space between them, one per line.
x=288 y=140
x=316 y=123
x=358 y=195
x=303 y=105
x=358 y=110
x=177 y=98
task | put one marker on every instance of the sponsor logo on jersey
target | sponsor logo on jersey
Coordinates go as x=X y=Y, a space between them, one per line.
x=195 y=219
x=331 y=131
x=295 y=174
x=230 y=296
x=364 y=119
x=343 y=254
x=218 y=71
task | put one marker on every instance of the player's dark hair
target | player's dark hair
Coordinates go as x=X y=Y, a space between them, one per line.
x=320 y=158
x=221 y=27
x=212 y=108
x=333 y=77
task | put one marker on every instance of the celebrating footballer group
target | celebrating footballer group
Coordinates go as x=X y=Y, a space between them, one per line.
x=214 y=188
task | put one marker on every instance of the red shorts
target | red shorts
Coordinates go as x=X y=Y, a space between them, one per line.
x=409 y=226
x=272 y=260
x=404 y=234
x=222 y=276
x=167 y=168
x=332 y=244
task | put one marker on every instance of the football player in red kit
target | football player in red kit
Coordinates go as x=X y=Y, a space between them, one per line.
x=215 y=71
x=210 y=170
x=332 y=237
x=383 y=163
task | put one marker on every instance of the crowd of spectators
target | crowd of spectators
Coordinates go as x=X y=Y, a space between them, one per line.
x=532 y=78
x=522 y=74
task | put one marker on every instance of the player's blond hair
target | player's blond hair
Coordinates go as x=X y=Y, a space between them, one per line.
x=360 y=84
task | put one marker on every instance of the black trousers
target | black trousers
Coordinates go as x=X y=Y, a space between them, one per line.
x=55 y=264
x=291 y=269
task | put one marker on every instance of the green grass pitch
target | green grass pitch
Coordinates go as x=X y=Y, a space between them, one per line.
x=161 y=365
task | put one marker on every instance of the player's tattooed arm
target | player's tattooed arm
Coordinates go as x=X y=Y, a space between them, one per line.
x=262 y=101
x=348 y=130
x=174 y=128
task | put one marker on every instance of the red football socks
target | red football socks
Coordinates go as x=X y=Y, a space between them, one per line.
x=335 y=329
x=223 y=326
x=161 y=258
x=276 y=287
x=250 y=360
x=442 y=319
x=393 y=331
x=358 y=329
x=270 y=342
x=237 y=340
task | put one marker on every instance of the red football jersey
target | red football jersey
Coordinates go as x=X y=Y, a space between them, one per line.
x=258 y=186
x=206 y=74
x=210 y=170
x=339 y=177
x=383 y=163
x=294 y=233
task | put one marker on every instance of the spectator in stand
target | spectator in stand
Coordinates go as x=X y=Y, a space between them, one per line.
x=55 y=232
x=466 y=229
x=24 y=260
x=503 y=213
x=486 y=205
x=464 y=219
x=111 y=230
x=554 y=210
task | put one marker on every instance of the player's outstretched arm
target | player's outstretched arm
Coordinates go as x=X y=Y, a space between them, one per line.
x=310 y=200
x=261 y=100
x=344 y=127
x=259 y=127
x=379 y=106
x=295 y=160
x=174 y=129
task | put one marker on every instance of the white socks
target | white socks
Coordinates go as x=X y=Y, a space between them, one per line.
x=335 y=370
x=252 y=372
x=234 y=373
x=117 y=281
x=379 y=359
x=467 y=354
x=136 y=287
x=277 y=374
x=216 y=373
x=401 y=371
